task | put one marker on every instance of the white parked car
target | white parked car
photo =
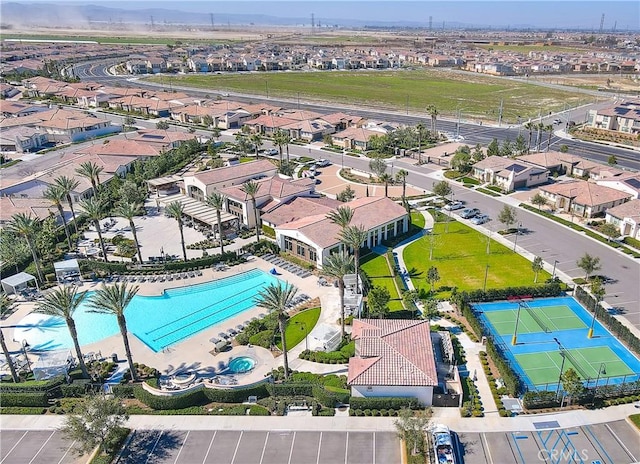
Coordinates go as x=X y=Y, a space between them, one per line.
x=454 y=205
x=323 y=162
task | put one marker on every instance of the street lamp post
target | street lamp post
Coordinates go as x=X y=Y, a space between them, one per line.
x=601 y=371
x=25 y=345
x=515 y=242
x=486 y=274
x=561 y=366
x=593 y=319
x=553 y=274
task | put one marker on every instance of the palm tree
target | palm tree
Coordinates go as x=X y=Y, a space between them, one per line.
x=176 y=211
x=256 y=140
x=341 y=216
x=353 y=236
x=338 y=265
x=55 y=195
x=549 y=129
x=386 y=179
x=25 y=226
x=5 y=306
x=91 y=171
x=275 y=298
x=94 y=209
x=68 y=184
x=529 y=126
x=62 y=302
x=401 y=176
x=433 y=112
x=114 y=299
x=217 y=200
x=129 y=211
x=251 y=188
x=281 y=139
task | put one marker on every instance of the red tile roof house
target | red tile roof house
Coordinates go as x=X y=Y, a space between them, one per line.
x=509 y=174
x=626 y=217
x=394 y=357
x=582 y=198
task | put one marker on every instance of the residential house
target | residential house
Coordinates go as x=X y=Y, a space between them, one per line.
x=354 y=138
x=394 y=358
x=582 y=198
x=35 y=207
x=22 y=139
x=626 y=217
x=553 y=161
x=629 y=183
x=509 y=174
x=624 y=117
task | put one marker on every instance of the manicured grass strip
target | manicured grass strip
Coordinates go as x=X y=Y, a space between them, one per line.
x=488 y=192
x=300 y=325
x=417 y=219
x=482 y=95
x=635 y=419
x=378 y=271
x=460 y=255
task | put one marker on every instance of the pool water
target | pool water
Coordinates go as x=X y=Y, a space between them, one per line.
x=158 y=321
x=241 y=364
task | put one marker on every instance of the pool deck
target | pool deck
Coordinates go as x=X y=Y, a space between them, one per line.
x=195 y=352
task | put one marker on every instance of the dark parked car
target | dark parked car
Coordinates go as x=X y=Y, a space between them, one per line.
x=469 y=213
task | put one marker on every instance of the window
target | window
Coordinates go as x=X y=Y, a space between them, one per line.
x=313 y=255
x=288 y=245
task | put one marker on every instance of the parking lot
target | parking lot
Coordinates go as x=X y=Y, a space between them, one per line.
x=612 y=443
x=36 y=447
x=261 y=447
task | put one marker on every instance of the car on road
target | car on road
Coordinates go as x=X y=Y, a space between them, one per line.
x=323 y=163
x=468 y=213
x=454 y=205
x=480 y=219
x=271 y=151
x=557 y=121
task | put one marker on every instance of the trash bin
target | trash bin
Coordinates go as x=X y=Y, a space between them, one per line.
x=114 y=357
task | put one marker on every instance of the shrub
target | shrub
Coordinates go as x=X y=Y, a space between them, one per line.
x=540 y=399
x=238 y=395
x=263 y=339
x=385 y=402
x=30 y=399
x=75 y=390
x=122 y=391
x=21 y=410
x=192 y=398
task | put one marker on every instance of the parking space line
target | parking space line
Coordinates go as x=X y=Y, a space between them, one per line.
x=291 y=450
x=237 y=446
x=264 y=447
x=14 y=446
x=182 y=446
x=374 y=448
x=486 y=447
x=621 y=443
x=346 y=449
x=319 y=445
x=67 y=452
x=43 y=445
x=154 y=447
x=210 y=445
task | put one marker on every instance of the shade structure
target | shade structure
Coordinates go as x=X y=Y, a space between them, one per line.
x=17 y=282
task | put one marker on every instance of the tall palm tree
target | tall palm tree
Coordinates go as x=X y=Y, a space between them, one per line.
x=529 y=127
x=353 y=237
x=401 y=176
x=62 y=302
x=251 y=188
x=342 y=216
x=129 y=211
x=114 y=299
x=338 y=265
x=176 y=211
x=25 y=226
x=94 y=209
x=56 y=195
x=549 y=129
x=91 y=171
x=217 y=200
x=5 y=306
x=68 y=184
x=433 y=112
x=275 y=298
x=386 y=179
x=256 y=140
x=281 y=139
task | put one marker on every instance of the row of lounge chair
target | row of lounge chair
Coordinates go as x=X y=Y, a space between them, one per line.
x=286 y=265
x=155 y=277
x=230 y=333
x=298 y=300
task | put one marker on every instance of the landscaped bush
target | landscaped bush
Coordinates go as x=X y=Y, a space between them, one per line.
x=548 y=290
x=511 y=380
x=290 y=389
x=235 y=395
x=122 y=391
x=540 y=399
x=261 y=248
x=384 y=402
x=193 y=398
x=21 y=410
x=75 y=390
x=31 y=385
x=31 y=399
x=263 y=339
x=229 y=257
x=341 y=356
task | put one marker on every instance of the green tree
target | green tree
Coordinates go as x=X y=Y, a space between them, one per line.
x=242 y=142
x=162 y=125
x=341 y=216
x=520 y=146
x=68 y=184
x=536 y=266
x=538 y=200
x=256 y=140
x=609 y=230
x=346 y=195
x=129 y=121
x=401 y=176
x=442 y=189
x=130 y=192
x=461 y=161
x=23 y=225
x=506 y=149
x=433 y=276
x=327 y=140
x=572 y=384
x=218 y=200
x=175 y=210
x=430 y=309
x=94 y=210
x=281 y=139
x=251 y=188
x=477 y=154
x=386 y=179
x=129 y=211
x=56 y=195
x=207 y=121
x=564 y=148
x=377 y=166
x=508 y=216
x=597 y=289
x=215 y=132
x=6 y=305
x=337 y=265
x=353 y=237
x=549 y=130
x=378 y=301
x=493 y=149
x=275 y=299
x=95 y=423
x=13 y=250
x=91 y=171
x=62 y=302
x=433 y=112
x=113 y=300
x=412 y=427
x=612 y=160
x=529 y=127
x=589 y=264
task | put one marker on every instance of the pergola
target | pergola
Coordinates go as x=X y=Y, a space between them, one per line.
x=16 y=282
x=66 y=269
x=52 y=364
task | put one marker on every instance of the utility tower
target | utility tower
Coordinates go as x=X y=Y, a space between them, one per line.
x=601 y=23
x=313 y=23
x=211 y=17
x=430 y=23
x=152 y=26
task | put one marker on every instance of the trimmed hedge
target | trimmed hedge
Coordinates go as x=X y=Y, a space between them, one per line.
x=550 y=289
x=123 y=391
x=290 y=389
x=385 y=402
x=32 y=386
x=512 y=381
x=540 y=400
x=230 y=257
x=31 y=399
x=22 y=410
x=235 y=395
x=194 y=398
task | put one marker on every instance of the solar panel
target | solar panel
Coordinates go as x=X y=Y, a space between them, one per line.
x=635 y=183
x=153 y=136
x=516 y=168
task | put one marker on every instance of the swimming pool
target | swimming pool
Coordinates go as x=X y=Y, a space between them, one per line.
x=158 y=321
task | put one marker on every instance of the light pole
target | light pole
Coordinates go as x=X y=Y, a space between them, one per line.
x=25 y=345
x=514 y=339
x=515 y=242
x=593 y=319
x=561 y=366
x=486 y=274
x=553 y=274
x=602 y=370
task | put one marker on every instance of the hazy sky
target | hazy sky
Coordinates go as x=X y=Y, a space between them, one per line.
x=539 y=13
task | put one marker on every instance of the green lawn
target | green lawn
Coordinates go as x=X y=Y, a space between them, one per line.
x=461 y=258
x=417 y=219
x=481 y=95
x=635 y=418
x=300 y=325
x=378 y=271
